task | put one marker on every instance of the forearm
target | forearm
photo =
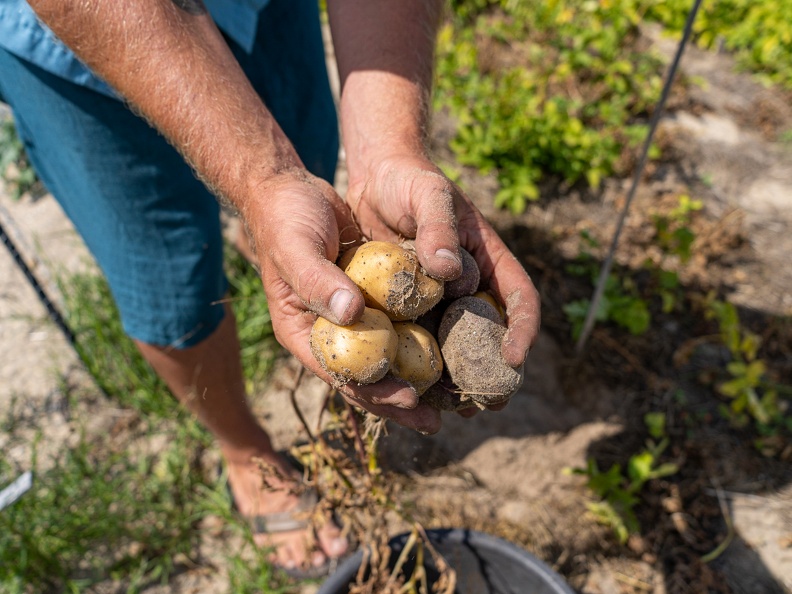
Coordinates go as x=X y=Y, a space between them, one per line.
x=385 y=53
x=170 y=62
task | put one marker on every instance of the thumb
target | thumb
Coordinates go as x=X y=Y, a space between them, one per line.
x=298 y=233
x=321 y=285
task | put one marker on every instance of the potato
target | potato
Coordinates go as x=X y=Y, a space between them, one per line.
x=431 y=319
x=487 y=296
x=392 y=280
x=468 y=281
x=346 y=257
x=362 y=352
x=470 y=338
x=418 y=358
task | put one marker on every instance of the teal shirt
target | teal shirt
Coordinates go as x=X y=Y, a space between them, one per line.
x=25 y=36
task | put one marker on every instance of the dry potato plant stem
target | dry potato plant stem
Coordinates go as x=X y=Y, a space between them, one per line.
x=359 y=445
x=359 y=495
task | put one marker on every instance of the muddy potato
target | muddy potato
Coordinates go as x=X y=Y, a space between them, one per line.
x=468 y=281
x=392 y=280
x=470 y=338
x=362 y=352
x=418 y=358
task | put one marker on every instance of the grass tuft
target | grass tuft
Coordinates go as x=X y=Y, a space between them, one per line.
x=126 y=505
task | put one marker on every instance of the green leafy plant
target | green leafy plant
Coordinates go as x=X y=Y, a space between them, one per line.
x=621 y=302
x=618 y=490
x=672 y=230
x=757 y=32
x=15 y=169
x=674 y=235
x=567 y=102
x=752 y=394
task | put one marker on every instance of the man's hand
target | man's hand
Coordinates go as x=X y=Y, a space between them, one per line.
x=385 y=56
x=297 y=232
x=408 y=197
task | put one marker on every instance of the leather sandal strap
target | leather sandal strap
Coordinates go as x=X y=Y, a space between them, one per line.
x=286 y=521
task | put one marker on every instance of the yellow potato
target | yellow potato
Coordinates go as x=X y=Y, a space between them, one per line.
x=418 y=359
x=392 y=280
x=487 y=296
x=346 y=257
x=362 y=352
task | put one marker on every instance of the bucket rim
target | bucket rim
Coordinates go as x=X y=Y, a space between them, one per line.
x=347 y=570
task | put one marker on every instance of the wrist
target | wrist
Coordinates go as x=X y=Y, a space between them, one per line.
x=254 y=178
x=384 y=117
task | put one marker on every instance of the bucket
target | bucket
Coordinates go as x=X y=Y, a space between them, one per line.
x=484 y=564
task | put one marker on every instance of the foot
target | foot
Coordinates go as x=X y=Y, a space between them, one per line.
x=297 y=549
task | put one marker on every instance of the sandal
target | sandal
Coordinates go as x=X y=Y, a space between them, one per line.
x=288 y=521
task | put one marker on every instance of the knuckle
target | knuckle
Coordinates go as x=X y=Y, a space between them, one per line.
x=309 y=285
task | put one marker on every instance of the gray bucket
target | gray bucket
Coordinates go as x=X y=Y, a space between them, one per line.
x=484 y=564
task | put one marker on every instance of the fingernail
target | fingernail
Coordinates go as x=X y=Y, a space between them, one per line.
x=339 y=303
x=448 y=255
x=408 y=400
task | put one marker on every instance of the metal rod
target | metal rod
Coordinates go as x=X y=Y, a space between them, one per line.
x=599 y=290
x=53 y=312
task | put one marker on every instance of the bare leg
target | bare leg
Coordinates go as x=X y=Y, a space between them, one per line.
x=207 y=378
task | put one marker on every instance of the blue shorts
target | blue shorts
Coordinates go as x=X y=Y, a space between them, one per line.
x=153 y=228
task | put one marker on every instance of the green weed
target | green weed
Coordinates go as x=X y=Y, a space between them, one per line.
x=103 y=512
x=15 y=169
x=674 y=235
x=621 y=302
x=619 y=491
x=672 y=230
x=753 y=396
x=100 y=513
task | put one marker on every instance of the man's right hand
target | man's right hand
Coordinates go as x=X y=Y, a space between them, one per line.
x=297 y=228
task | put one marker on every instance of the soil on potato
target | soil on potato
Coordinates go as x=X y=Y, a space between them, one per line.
x=409 y=288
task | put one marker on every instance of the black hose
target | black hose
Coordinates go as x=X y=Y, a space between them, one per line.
x=52 y=311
